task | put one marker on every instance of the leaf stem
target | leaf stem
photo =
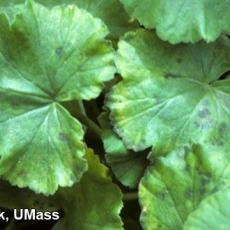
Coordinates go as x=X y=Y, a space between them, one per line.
x=81 y=107
x=78 y=110
x=130 y=196
x=91 y=125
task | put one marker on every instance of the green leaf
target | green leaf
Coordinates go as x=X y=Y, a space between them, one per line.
x=43 y=64
x=111 y=12
x=182 y=21
x=213 y=213
x=95 y=202
x=171 y=95
x=112 y=143
x=10 y=11
x=176 y=184
x=11 y=197
x=128 y=166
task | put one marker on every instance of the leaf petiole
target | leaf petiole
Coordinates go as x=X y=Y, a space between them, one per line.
x=130 y=196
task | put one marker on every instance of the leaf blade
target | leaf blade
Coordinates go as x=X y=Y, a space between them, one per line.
x=168 y=96
x=182 y=21
x=41 y=143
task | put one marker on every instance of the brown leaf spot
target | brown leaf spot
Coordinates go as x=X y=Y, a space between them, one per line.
x=59 y=51
x=64 y=137
x=170 y=75
x=189 y=193
x=203 y=113
x=222 y=129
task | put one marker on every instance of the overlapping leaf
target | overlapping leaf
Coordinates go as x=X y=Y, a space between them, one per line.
x=213 y=213
x=128 y=166
x=171 y=95
x=111 y=12
x=47 y=57
x=182 y=21
x=94 y=203
x=12 y=197
x=174 y=187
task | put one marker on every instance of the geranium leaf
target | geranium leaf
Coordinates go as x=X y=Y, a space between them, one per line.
x=171 y=95
x=95 y=202
x=111 y=12
x=42 y=64
x=12 y=197
x=213 y=213
x=127 y=166
x=176 y=184
x=182 y=21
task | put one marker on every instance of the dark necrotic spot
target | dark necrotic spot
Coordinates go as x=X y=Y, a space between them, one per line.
x=59 y=51
x=222 y=128
x=206 y=178
x=214 y=190
x=202 y=190
x=160 y=195
x=64 y=137
x=170 y=75
x=189 y=193
x=204 y=113
x=205 y=102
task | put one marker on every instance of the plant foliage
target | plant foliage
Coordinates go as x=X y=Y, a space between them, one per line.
x=116 y=113
x=182 y=21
